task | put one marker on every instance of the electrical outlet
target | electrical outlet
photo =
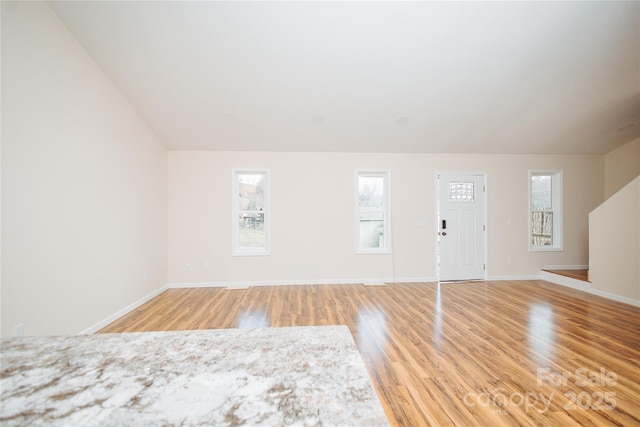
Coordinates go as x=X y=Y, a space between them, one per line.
x=18 y=330
x=509 y=261
x=145 y=278
x=205 y=267
x=187 y=267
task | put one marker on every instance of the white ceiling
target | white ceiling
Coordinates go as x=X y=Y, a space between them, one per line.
x=450 y=77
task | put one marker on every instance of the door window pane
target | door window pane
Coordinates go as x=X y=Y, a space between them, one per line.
x=461 y=192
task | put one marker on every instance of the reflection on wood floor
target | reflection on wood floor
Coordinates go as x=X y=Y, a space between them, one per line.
x=464 y=354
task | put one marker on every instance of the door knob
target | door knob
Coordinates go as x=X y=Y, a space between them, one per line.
x=444 y=233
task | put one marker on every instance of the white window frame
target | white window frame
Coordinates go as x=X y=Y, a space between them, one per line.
x=236 y=249
x=556 y=207
x=386 y=211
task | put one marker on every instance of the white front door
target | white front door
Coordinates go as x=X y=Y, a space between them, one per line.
x=461 y=226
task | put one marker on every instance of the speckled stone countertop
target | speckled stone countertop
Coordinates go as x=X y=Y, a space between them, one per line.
x=301 y=376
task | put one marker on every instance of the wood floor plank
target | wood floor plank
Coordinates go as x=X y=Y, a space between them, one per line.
x=459 y=354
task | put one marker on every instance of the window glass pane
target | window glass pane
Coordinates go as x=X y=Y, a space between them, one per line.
x=251 y=192
x=461 y=192
x=251 y=230
x=540 y=192
x=372 y=230
x=371 y=191
x=542 y=228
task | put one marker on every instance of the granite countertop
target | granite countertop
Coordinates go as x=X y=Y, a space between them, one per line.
x=297 y=376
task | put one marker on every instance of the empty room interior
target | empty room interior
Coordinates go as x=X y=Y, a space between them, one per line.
x=320 y=213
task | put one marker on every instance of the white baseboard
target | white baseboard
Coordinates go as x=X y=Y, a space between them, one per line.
x=615 y=297
x=565 y=267
x=568 y=282
x=245 y=284
x=585 y=287
x=197 y=285
x=411 y=280
x=526 y=277
x=115 y=316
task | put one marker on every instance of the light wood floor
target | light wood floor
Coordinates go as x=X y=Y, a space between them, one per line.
x=465 y=354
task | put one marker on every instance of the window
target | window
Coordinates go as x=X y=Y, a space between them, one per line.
x=250 y=233
x=373 y=234
x=545 y=210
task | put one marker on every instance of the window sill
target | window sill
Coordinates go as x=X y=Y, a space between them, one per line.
x=546 y=249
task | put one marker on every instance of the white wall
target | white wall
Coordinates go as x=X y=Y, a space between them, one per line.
x=614 y=228
x=312 y=215
x=83 y=184
x=621 y=166
x=84 y=198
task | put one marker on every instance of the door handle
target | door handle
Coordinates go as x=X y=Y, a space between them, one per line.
x=444 y=233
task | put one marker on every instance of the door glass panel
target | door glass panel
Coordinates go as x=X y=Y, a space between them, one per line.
x=461 y=192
